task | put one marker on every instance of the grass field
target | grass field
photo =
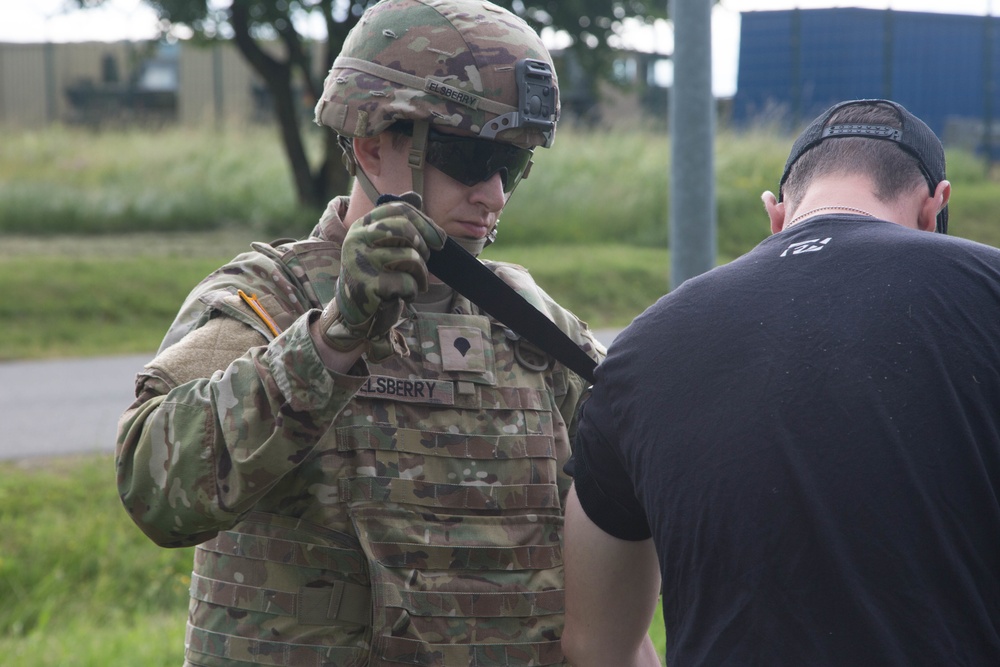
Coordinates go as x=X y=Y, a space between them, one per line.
x=115 y=295
x=80 y=584
x=102 y=235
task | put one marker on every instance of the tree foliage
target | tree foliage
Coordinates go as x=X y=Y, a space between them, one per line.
x=293 y=24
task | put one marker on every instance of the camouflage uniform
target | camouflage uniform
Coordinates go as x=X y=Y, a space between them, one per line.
x=423 y=495
x=408 y=511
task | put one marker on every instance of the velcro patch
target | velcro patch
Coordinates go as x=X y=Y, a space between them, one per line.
x=434 y=392
x=462 y=349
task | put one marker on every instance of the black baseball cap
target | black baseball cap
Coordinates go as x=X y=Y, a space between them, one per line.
x=912 y=135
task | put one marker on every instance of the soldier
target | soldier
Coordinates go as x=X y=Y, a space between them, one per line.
x=371 y=466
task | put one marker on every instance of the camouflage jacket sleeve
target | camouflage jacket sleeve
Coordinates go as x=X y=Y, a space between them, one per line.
x=194 y=455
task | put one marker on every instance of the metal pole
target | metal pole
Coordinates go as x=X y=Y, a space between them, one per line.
x=796 y=75
x=217 y=86
x=989 y=87
x=3 y=87
x=692 y=216
x=888 y=54
x=50 y=82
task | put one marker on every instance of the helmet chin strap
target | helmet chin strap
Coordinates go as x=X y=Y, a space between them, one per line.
x=418 y=154
x=415 y=160
x=354 y=170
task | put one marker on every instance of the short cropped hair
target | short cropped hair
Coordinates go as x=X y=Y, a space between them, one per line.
x=892 y=170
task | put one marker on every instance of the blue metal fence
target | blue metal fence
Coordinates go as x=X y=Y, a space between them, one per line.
x=795 y=63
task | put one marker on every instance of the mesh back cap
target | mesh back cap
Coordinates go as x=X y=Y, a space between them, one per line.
x=912 y=136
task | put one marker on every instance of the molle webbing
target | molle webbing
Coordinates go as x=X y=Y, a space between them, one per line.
x=412 y=652
x=235 y=651
x=279 y=570
x=470 y=557
x=292 y=552
x=342 y=602
x=483 y=605
x=451 y=496
x=464 y=446
x=334 y=601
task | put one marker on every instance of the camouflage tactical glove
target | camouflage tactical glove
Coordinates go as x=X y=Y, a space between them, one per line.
x=382 y=266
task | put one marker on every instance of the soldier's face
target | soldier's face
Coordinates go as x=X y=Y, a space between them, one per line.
x=463 y=211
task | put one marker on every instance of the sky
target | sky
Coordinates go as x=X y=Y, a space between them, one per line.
x=55 y=21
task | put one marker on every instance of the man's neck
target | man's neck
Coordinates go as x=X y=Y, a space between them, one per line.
x=358 y=207
x=850 y=195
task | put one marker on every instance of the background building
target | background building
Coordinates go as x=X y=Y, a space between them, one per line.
x=943 y=67
x=95 y=83
x=112 y=83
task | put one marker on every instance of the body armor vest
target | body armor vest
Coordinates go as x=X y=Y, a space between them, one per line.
x=423 y=529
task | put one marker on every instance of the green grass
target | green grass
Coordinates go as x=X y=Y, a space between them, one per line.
x=70 y=307
x=605 y=285
x=117 y=640
x=92 y=297
x=590 y=188
x=60 y=180
x=81 y=585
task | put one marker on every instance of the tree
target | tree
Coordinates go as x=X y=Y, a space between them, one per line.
x=251 y=24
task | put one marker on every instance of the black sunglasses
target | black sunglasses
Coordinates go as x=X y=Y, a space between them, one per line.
x=470 y=160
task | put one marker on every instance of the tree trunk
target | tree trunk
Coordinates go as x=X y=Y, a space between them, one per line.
x=277 y=77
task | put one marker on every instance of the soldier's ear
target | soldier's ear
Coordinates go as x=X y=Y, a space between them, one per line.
x=368 y=153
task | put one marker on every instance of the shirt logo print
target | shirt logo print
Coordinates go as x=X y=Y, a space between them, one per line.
x=812 y=245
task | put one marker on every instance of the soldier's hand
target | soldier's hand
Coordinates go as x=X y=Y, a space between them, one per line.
x=383 y=266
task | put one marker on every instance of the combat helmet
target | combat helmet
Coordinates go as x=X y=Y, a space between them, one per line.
x=468 y=65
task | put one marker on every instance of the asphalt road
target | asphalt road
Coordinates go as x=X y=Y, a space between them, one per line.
x=64 y=406
x=71 y=406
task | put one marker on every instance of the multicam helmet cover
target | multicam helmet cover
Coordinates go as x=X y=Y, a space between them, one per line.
x=464 y=64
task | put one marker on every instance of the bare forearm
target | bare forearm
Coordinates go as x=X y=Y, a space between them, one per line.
x=612 y=586
x=599 y=656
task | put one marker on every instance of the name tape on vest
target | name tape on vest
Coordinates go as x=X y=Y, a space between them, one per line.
x=434 y=392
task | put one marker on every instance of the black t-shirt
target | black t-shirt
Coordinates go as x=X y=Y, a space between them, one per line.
x=811 y=435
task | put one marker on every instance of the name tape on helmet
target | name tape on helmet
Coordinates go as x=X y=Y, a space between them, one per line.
x=416 y=82
x=447 y=92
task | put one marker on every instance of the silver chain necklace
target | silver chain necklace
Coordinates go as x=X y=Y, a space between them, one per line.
x=802 y=216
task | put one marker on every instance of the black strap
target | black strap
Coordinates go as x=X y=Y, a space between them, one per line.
x=472 y=279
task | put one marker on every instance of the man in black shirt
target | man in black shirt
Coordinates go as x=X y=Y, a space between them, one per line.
x=803 y=445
